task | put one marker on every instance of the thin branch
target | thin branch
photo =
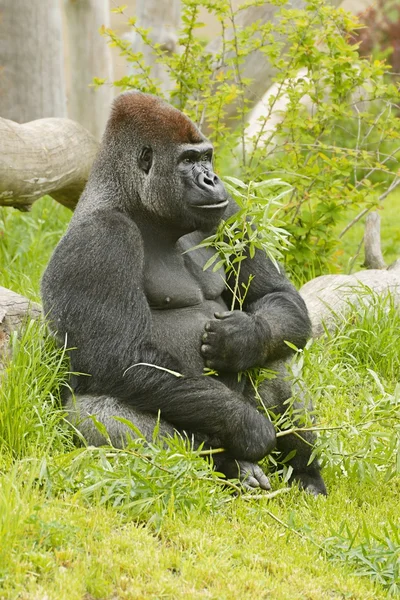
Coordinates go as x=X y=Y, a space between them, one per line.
x=211 y=451
x=265 y=496
x=300 y=534
x=295 y=430
x=395 y=183
x=356 y=255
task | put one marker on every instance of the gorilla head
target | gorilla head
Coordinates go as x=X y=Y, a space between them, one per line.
x=163 y=163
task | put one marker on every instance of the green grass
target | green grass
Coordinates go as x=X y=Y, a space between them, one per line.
x=26 y=243
x=154 y=522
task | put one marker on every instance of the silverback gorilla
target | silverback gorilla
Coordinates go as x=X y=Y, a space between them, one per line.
x=123 y=292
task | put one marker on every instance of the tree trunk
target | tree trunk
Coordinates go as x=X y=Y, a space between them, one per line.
x=372 y=243
x=31 y=60
x=48 y=156
x=89 y=56
x=163 y=18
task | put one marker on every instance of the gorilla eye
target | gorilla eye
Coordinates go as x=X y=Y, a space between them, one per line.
x=207 y=157
x=145 y=159
x=187 y=161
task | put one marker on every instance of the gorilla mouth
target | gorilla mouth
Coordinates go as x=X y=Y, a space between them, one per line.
x=217 y=205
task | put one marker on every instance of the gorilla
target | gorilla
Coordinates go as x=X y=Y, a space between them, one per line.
x=136 y=308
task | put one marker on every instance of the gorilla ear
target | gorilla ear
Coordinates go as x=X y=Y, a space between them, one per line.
x=145 y=159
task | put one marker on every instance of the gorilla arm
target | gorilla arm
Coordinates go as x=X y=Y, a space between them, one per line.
x=273 y=313
x=255 y=337
x=93 y=293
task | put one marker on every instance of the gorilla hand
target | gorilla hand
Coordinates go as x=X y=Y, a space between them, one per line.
x=234 y=341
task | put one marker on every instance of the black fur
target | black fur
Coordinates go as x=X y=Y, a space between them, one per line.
x=123 y=292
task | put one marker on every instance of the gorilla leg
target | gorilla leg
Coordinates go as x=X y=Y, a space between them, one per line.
x=80 y=408
x=274 y=393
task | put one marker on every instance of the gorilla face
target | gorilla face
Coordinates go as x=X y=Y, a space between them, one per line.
x=204 y=195
x=181 y=187
x=204 y=189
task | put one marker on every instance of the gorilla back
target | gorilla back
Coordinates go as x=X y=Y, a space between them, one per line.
x=122 y=291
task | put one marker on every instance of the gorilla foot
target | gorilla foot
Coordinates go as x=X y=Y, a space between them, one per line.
x=249 y=474
x=252 y=476
x=310 y=482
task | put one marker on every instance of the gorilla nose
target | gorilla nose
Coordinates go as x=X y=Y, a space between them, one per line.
x=207 y=180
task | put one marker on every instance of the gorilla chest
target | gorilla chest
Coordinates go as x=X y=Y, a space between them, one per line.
x=182 y=298
x=174 y=280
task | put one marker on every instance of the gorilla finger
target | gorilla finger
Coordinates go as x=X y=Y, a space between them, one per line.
x=261 y=477
x=264 y=483
x=208 y=326
x=249 y=482
x=213 y=326
x=209 y=337
x=206 y=350
x=223 y=315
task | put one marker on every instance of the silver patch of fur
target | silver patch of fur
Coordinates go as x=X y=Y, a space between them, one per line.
x=81 y=408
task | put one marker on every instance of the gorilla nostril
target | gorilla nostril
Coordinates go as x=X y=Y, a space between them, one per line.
x=205 y=180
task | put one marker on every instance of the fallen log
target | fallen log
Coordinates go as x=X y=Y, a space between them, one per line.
x=330 y=298
x=48 y=156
